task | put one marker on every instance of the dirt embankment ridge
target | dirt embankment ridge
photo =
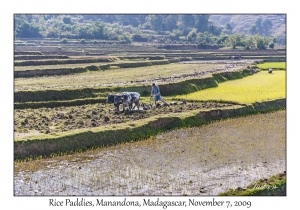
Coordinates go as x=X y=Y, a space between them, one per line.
x=204 y=160
x=84 y=139
x=184 y=85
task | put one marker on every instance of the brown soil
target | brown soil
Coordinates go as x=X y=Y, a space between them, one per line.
x=30 y=122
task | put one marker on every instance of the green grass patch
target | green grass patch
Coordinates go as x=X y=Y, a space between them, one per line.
x=274 y=186
x=272 y=65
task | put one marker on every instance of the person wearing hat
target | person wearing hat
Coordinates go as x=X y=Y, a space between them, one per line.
x=156 y=93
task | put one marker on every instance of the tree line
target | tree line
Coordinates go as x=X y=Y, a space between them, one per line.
x=192 y=28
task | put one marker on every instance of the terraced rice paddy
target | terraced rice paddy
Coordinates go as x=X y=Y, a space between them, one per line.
x=32 y=122
x=118 y=77
x=256 y=88
x=203 y=160
x=276 y=65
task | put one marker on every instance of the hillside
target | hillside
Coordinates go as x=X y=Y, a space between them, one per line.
x=203 y=29
x=241 y=23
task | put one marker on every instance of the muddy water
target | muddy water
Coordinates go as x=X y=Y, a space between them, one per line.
x=205 y=160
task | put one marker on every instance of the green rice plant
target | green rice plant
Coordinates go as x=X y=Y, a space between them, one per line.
x=256 y=88
x=272 y=65
x=169 y=163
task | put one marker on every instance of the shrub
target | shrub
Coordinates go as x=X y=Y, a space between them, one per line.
x=93 y=68
x=67 y=20
x=64 y=41
x=139 y=38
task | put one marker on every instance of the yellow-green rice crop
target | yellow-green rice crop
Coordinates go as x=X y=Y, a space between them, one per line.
x=275 y=65
x=256 y=88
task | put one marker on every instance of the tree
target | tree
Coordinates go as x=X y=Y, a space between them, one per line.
x=28 y=30
x=94 y=31
x=266 y=25
x=187 y=21
x=192 y=35
x=272 y=45
x=52 y=32
x=133 y=20
x=214 y=30
x=249 y=43
x=228 y=28
x=201 y=22
x=112 y=34
x=221 y=39
x=204 y=38
x=64 y=41
x=170 y=22
x=109 y=18
x=261 y=42
x=28 y=17
x=82 y=31
x=139 y=38
x=258 y=25
x=253 y=29
x=175 y=34
x=155 y=22
x=48 y=17
x=67 y=20
x=125 y=37
x=233 y=40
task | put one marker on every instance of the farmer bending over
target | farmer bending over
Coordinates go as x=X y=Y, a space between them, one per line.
x=156 y=93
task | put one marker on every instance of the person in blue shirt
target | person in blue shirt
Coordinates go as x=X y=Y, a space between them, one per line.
x=156 y=93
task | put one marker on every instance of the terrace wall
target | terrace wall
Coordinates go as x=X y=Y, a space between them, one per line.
x=169 y=89
x=87 y=139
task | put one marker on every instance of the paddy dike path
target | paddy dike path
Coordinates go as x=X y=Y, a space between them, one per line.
x=204 y=160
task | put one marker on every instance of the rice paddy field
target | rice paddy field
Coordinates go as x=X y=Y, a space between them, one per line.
x=117 y=76
x=205 y=160
x=276 y=65
x=51 y=121
x=256 y=88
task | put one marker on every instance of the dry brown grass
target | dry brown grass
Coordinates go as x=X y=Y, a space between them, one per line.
x=117 y=76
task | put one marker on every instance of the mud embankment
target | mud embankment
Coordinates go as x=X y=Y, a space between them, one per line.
x=90 y=138
x=205 y=160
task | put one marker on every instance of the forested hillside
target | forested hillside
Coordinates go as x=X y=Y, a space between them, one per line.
x=248 y=31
